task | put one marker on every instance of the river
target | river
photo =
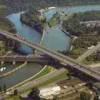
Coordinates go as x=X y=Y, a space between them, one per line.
x=55 y=39
x=20 y=75
x=50 y=40
x=25 y=31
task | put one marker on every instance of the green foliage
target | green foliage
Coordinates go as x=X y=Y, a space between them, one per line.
x=44 y=72
x=85 y=41
x=75 y=52
x=3 y=10
x=84 y=96
x=14 y=98
x=89 y=15
x=86 y=36
x=55 y=79
x=5 y=24
x=2 y=48
x=73 y=25
x=94 y=58
x=54 y=20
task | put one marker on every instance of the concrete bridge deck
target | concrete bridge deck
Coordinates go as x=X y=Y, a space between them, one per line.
x=20 y=58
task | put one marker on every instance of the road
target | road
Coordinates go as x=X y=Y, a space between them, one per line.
x=97 y=65
x=55 y=55
x=88 y=53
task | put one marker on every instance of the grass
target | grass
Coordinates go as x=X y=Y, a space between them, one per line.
x=14 y=98
x=5 y=24
x=53 y=22
x=47 y=70
x=85 y=61
x=76 y=52
x=89 y=62
x=55 y=79
x=3 y=10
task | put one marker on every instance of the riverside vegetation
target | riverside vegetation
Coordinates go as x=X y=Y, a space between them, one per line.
x=5 y=24
x=86 y=36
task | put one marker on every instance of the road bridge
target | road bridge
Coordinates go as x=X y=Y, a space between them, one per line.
x=55 y=55
x=16 y=58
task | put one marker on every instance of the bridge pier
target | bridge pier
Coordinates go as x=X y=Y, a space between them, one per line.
x=14 y=62
x=26 y=62
x=2 y=62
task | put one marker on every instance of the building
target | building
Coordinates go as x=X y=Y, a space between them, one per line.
x=50 y=92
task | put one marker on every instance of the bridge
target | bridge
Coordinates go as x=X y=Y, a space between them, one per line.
x=55 y=55
x=18 y=58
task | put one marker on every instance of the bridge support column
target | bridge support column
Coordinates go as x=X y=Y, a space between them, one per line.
x=14 y=62
x=2 y=62
x=26 y=62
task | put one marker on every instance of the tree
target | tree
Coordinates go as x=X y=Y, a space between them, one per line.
x=0 y=89
x=15 y=92
x=34 y=94
x=2 y=48
x=55 y=97
x=4 y=88
x=84 y=96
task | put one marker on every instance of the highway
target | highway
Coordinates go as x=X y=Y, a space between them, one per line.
x=60 y=57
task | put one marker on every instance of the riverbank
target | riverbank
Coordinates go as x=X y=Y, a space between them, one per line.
x=5 y=24
x=54 y=77
x=7 y=44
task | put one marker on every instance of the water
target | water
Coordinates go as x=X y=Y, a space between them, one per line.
x=56 y=40
x=25 y=31
x=77 y=9
x=8 y=67
x=50 y=41
x=30 y=69
x=69 y=10
x=49 y=13
x=20 y=75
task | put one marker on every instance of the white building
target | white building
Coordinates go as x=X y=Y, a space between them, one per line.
x=49 y=92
